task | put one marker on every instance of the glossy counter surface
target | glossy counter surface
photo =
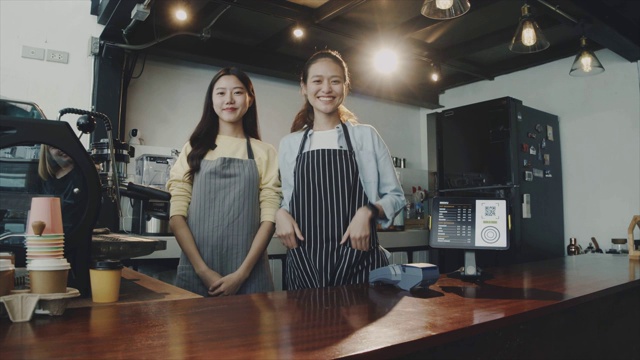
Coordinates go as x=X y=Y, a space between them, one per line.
x=136 y=287
x=358 y=321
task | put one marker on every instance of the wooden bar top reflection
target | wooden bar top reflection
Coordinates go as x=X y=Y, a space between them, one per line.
x=137 y=287
x=349 y=321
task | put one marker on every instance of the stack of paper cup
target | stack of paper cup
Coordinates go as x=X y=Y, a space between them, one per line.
x=48 y=269
x=44 y=247
x=47 y=210
x=47 y=242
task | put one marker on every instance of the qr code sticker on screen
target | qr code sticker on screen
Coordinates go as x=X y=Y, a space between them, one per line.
x=489 y=211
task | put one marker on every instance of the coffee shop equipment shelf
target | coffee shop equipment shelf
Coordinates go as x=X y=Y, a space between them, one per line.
x=570 y=307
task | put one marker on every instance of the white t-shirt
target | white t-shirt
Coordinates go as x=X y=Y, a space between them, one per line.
x=325 y=139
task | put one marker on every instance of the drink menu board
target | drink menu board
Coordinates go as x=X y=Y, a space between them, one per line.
x=469 y=223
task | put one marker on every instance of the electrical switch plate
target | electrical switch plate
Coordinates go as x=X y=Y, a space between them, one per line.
x=94 y=45
x=29 y=52
x=526 y=206
x=58 y=56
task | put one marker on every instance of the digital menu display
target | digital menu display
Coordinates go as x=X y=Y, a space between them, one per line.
x=469 y=223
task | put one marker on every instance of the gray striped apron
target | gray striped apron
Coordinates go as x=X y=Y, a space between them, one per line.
x=224 y=217
x=327 y=192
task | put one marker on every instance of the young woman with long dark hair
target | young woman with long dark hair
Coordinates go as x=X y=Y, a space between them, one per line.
x=224 y=194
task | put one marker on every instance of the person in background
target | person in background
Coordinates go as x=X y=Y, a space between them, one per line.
x=338 y=180
x=224 y=194
x=60 y=178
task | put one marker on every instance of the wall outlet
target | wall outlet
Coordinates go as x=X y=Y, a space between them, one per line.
x=29 y=52
x=58 y=56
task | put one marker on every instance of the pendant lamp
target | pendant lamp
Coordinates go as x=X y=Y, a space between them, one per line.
x=444 y=9
x=435 y=74
x=586 y=63
x=528 y=37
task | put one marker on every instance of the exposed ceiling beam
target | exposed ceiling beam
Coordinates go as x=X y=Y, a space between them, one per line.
x=324 y=13
x=270 y=63
x=281 y=9
x=333 y=8
x=420 y=23
x=595 y=19
x=557 y=52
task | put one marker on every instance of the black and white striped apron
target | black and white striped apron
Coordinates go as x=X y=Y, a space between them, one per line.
x=327 y=193
x=224 y=217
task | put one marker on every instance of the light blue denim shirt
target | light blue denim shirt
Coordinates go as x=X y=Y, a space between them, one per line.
x=377 y=173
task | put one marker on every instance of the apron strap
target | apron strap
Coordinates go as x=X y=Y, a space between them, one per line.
x=346 y=136
x=249 y=150
x=304 y=140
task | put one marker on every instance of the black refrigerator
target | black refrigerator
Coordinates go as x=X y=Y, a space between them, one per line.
x=502 y=148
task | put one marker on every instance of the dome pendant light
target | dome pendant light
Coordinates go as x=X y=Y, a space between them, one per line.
x=528 y=37
x=444 y=9
x=586 y=63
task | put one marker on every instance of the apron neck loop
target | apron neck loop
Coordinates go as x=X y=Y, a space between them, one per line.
x=304 y=140
x=249 y=150
x=346 y=136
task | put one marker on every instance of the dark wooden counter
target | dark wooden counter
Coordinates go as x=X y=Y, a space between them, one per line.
x=137 y=287
x=352 y=321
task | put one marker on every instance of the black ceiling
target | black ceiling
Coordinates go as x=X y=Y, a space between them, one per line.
x=256 y=35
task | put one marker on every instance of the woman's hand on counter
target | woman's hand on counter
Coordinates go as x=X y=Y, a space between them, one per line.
x=359 y=230
x=287 y=229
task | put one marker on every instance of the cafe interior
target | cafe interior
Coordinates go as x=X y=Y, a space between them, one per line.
x=524 y=116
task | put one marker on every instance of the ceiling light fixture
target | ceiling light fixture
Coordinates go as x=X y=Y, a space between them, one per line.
x=298 y=32
x=444 y=9
x=181 y=10
x=435 y=73
x=181 y=14
x=528 y=37
x=385 y=61
x=586 y=63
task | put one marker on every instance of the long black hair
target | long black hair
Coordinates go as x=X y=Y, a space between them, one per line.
x=204 y=135
x=305 y=116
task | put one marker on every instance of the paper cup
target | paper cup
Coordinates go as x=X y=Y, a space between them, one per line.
x=47 y=210
x=8 y=255
x=48 y=276
x=105 y=280
x=7 y=276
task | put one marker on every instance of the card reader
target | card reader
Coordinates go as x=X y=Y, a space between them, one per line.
x=406 y=276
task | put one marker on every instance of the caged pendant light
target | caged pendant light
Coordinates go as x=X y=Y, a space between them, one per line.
x=528 y=37
x=444 y=9
x=586 y=63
